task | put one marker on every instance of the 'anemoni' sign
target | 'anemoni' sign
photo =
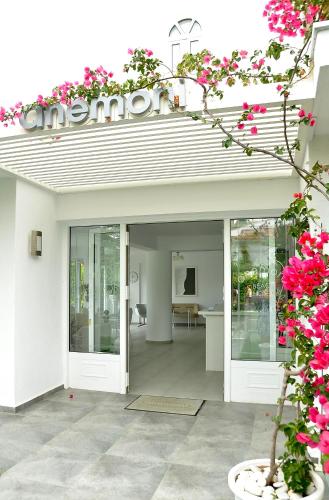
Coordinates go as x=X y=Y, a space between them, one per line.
x=136 y=104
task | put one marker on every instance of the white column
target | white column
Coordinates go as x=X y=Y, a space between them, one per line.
x=159 y=296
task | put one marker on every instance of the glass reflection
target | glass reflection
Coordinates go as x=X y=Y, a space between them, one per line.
x=95 y=289
x=260 y=248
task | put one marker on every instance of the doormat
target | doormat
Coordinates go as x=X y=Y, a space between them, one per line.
x=160 y=404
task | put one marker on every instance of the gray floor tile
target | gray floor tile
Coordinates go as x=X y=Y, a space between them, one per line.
x=176 y=369
x=68 y=411
x=25 y=489
x=6 y=418
x=192 y=483
x=77 y=396
x=13 y=451
x=121 y=478
x=212 y=428
x=153 y=437
x=51 y=466
x=91 y=448
x=84 y=441
x=215 y=454
x=234 y=412
x=108 y=417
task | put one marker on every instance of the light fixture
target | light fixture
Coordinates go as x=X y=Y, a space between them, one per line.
x=178 y=256
x=36 y=243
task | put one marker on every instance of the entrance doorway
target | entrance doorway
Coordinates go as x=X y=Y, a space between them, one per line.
x=176 y=312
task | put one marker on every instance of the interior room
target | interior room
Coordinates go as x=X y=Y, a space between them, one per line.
x=176 y=342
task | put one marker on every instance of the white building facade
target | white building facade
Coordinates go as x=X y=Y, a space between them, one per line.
x=141 y=162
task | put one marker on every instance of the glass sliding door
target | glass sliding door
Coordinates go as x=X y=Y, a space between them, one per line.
x=259 y=250
x=95 y=289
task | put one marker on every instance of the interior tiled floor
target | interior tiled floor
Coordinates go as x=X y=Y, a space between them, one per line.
x=91 y=448
x=177 y=369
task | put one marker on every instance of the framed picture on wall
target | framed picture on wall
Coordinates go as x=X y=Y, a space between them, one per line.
x=185 y=281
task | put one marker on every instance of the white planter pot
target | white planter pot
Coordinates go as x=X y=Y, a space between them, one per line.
x=318 y=494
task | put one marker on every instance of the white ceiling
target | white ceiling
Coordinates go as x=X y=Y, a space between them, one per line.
x=164 y=149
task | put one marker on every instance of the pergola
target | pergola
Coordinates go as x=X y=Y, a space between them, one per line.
x=159 y=149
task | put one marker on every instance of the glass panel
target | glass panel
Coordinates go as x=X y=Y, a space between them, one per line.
x=95 y=289
x=260 y=248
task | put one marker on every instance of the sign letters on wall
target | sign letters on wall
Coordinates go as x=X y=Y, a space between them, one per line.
x=136 y=104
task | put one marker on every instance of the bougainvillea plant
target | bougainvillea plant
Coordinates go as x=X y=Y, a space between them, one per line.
x=306 y=324
x=307 y=275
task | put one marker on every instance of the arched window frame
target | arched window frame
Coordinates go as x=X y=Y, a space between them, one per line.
x=182 y=37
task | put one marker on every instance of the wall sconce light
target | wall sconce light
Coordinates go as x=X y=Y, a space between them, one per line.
x=176 y=101
x=36 y=243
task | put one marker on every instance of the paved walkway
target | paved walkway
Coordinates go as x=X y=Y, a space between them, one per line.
x=90 y=448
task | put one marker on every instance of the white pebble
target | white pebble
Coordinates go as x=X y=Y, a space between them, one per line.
x=253 y=488
x=283 y=495
x=261 y=481
x=278 y=484
x=280 y=475
x=282 y=489
x=268 y=489
x=295 y=496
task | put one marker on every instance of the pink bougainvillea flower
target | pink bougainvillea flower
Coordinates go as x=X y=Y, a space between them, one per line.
x=263 y=109
x=322 y=400
x=250 y=116
x=312 y=122
x=326 y=467
x=245 y=106
x=243 y=54
x=305 y=439
x=240 y=126
x=282 y=340
x=254 y=130
x=324 y=442
x=321 y=422
x=301 y=113
x=279 y=87
x=256 y=108
x=130 y=52
x=322 y=316
x=207 y=59
x=298 y=195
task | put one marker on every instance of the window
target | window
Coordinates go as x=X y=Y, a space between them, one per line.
x=95 y=289
x=260 y=249
x=184 y=37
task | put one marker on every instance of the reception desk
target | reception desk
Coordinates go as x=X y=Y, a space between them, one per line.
x=214 y=340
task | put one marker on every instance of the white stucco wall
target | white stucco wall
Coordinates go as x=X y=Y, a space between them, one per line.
x=7 y=291
x=38 y=335
x=319 y=151
x=165 y=202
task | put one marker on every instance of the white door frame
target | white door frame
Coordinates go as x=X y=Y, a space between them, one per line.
x=124 y=309
x=190 y=217
x=227 y=310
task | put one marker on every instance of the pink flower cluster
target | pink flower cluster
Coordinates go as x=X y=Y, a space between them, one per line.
x=287 y=21
x=99 y=75
x=16 y=112
x=306 y=118
x=248 y=114
x=307 y=278
x=148 y=52
x=302 y=276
